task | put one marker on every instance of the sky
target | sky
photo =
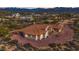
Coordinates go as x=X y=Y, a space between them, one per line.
x=39 y=3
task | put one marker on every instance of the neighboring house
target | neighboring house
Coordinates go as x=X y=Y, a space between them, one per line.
x=17 y=15
x=29 y=17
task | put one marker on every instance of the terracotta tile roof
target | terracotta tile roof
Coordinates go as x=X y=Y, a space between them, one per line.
x=37 y=29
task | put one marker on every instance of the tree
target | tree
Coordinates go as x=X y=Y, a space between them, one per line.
x=4 y=31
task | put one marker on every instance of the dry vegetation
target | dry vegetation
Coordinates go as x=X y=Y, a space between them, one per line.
x=12 y=23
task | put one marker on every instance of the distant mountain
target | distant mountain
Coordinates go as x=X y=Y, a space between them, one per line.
x=51 y=10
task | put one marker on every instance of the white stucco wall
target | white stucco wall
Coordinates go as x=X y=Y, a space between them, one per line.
x=46 y=28
x=36 y=37
x=46 y=34
x=26 y=35
x=41 y=37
